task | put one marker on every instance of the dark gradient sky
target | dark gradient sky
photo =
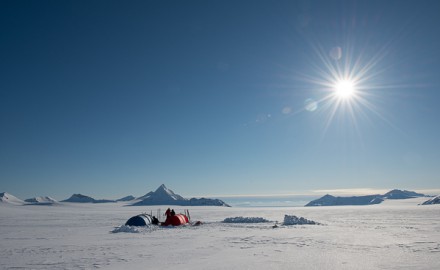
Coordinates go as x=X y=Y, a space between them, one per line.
x=110 y=98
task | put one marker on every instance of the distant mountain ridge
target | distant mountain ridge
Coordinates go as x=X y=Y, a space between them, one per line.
x=165 y=196
x=329 y=200
x=435 y=200
x=126 y=198
x=41 y=200
x=79 y=198
x=10 y=199
x=395 y=194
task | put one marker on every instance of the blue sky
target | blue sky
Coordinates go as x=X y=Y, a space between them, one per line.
x=110 y=98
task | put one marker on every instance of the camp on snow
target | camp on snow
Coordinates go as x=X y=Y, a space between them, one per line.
x=148 y=219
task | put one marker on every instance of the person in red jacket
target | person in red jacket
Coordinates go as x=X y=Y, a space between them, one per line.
x=167 y=214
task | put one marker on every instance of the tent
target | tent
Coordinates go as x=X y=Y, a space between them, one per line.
x=176 y=220
x=142 y=220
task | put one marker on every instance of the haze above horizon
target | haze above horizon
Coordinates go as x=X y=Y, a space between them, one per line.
x=218 y=97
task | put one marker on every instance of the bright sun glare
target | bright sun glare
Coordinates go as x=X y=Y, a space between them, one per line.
x=347 y=83
x=344 y=89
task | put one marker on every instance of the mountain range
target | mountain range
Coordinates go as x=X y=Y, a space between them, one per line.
x=395 y=194
x=162 y=196
x=165 y=196
x=79 y=198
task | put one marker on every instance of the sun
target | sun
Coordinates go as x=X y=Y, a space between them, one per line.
x=344 y=89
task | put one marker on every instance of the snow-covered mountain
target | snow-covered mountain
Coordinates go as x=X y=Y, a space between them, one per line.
x=126 y=199
x=329 y=200
x=41 y=201
x=165 y=196
x=394 y=194
x=435 y=200
x=145 y=196
x=397 y=194
x=207 y=202
x=79 y=198
x=11 y=199
x=162 y=195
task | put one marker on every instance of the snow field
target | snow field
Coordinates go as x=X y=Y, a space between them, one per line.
x=78 y=236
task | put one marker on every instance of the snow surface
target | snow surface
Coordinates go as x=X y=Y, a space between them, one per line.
x=398 y=234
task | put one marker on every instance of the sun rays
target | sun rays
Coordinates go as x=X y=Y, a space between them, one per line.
x=347 y=86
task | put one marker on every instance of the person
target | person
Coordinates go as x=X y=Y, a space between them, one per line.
x=155 y=221
x=168 y=216
x=173 y=213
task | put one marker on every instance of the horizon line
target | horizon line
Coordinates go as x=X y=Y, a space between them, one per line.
x=318 y=192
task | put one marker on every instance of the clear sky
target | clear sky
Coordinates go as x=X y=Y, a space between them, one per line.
x=111 y=98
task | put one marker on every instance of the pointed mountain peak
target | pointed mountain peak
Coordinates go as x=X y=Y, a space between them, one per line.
x=162 y=187
x=164 y=192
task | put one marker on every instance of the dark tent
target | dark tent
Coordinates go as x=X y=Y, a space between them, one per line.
x=141 y=220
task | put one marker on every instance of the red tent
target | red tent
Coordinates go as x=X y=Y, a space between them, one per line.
x=176 y=220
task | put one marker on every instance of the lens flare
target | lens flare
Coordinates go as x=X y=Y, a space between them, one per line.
x=310 y=105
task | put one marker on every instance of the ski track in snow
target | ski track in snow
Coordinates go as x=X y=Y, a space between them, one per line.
x=395 y=235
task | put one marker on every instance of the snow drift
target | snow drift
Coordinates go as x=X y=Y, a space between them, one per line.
x=245 y=220
x=294 y=220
